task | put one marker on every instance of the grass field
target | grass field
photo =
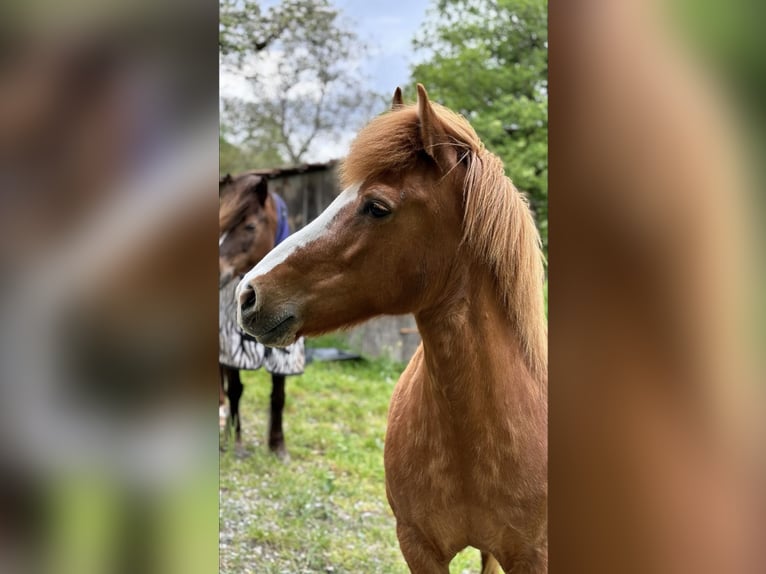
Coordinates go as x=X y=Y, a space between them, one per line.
x=325 y=511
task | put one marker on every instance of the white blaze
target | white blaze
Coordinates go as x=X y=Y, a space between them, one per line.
x=305 y=236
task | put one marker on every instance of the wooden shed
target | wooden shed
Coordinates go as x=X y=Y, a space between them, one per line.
x=307 y=189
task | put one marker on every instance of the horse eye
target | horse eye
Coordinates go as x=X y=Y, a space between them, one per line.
x=250 y=227
x=376 y=209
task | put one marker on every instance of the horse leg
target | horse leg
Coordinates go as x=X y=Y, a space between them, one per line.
x=532 y=561
x=234 y=391
x=421 y=557
x=276 y=436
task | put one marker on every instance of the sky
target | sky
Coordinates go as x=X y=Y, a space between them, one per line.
x=388 y=28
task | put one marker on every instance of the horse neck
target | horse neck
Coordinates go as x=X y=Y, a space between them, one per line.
x=473 y=354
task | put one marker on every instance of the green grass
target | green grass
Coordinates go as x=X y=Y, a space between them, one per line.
x=338 y=340
x=324 y=511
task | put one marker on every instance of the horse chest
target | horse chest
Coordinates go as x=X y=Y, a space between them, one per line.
x=440 y=469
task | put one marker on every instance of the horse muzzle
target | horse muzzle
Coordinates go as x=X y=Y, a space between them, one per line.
x=273 y=326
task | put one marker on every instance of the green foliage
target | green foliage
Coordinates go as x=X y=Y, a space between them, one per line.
x=336 y=340
x=245 y=28
x=488 y=60
x=236 y=159
x=325 y=510
x=241 y=29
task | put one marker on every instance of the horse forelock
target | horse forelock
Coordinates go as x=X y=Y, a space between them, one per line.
x=231 y=212
x=235 y=204
x=497 y=223
x=392 y=143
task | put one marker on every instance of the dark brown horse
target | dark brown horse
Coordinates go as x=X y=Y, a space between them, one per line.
x=248 y=223
x=429 y=224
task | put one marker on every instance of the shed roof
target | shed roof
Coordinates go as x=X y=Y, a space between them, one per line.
x=287 y=171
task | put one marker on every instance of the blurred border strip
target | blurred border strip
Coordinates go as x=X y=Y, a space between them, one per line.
x=656 y=300
x=108 y=298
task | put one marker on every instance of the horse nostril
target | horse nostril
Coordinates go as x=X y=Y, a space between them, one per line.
x=247 y=298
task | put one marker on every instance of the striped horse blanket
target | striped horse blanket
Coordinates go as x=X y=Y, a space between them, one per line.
x=239 y=350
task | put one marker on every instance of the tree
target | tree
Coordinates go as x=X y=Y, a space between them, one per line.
x=488 y=60
x=301 y=61
x=235 y=158
x=245 y=29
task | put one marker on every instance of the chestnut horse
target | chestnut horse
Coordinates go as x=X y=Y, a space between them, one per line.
x=249 y=227
x=428 y=223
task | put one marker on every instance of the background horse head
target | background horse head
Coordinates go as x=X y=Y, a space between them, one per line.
x=247 y=220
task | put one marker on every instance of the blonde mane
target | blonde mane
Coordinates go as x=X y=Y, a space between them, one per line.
x=498 y=227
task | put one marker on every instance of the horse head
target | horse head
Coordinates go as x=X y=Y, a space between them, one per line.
x=385 y=245
x=247 y=224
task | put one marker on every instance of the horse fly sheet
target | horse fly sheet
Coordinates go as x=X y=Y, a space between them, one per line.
x=241 y=351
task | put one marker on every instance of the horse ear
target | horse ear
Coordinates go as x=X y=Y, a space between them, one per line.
x=223 y=184
x=436 y=142
x=397 y=101
x=261 y=190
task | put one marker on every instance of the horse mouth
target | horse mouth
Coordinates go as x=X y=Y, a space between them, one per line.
x=279 y=334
